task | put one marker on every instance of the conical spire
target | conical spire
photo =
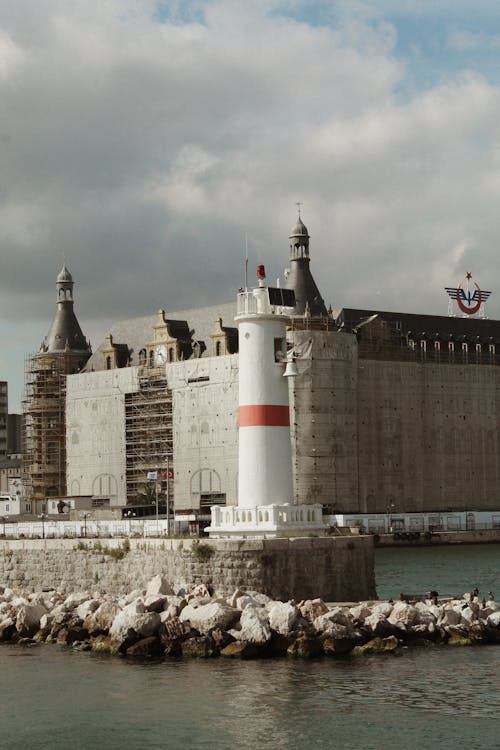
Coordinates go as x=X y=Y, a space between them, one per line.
x=300 y=278
x=65 y=333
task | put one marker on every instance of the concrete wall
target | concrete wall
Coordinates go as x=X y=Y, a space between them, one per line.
x=324 y=419
x=335 y=568
x=95 y=432
x=428 y=436
x=205 y=429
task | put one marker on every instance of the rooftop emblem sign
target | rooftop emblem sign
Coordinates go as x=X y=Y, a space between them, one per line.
x=469 y=297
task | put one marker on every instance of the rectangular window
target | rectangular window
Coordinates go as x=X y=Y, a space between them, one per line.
x=279 y=350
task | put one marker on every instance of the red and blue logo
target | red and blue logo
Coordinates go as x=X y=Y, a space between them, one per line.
x=469 y=298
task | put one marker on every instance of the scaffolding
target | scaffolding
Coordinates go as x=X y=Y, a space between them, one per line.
x=44 y=425
x=148 y=434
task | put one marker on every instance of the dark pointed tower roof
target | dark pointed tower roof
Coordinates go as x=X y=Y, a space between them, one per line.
x=65 y=333
x=300 y=279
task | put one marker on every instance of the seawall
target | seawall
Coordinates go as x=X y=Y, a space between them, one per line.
x=333 y=568
x=416 y=539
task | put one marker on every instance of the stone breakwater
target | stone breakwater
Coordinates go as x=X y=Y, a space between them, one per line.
x=156 y=621
x=335 y=568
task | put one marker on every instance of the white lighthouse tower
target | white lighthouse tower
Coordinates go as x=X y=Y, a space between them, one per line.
x=265 y=480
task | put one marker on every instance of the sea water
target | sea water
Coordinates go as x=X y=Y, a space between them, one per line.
x=437 y=696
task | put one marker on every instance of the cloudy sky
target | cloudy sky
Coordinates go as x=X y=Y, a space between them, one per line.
x=141 y=139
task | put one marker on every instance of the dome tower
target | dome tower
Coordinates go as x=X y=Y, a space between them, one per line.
x=64 y=351
x=65 y=334
x=300 y=279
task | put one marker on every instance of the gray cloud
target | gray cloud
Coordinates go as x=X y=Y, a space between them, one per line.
x=143 y=148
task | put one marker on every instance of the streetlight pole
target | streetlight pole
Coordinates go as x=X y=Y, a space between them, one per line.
x=390 y=508
x=168 y=500
x=156 y=498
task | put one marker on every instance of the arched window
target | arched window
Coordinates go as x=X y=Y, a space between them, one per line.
x=142 y=357
x=171 y=354
x=104 y=485
x=108 y=363
x=218 y=349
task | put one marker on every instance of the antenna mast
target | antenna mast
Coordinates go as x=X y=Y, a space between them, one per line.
x=246 y=262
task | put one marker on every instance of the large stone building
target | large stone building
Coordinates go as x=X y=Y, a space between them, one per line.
x=389 y=410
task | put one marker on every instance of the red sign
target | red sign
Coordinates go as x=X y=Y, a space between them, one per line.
x=168 y=474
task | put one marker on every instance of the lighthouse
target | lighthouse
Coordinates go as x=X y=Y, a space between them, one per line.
x=265 y=480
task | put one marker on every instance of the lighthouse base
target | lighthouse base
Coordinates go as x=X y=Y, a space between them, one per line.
x=266 y=521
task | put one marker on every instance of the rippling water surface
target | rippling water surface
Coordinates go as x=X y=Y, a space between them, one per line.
x=442 y=697
x=452 y=569
x=59 y=699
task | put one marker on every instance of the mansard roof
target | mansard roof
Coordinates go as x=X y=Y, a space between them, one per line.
x=136 y=332
x=425 y=326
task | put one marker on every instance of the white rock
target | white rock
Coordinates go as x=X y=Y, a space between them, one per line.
x=74 y=600
x=134 y=617
x=450 y=616
x=159 y=585
x=167 y=615
x=6 y=622
x=86 y=608
x=433 y=609
x=59 y=610
x=28 y=618
x=254 y=625
x=245 y=600
x=313 y=608
x=209 y=616
x=494 y=620
x=7 y=595
x=176 y=601
x=46 y=620
x=483 y=613
x=282 y=616
x=102 y=619
x=39 y=597
x=378 y=623
x=360 y=612
x=383 y=608
x=335 y=630
x=19 y=601
x=425 y=616
x=233 y=599
x=336 y=616
x=261 y=599
x=155 y=603
x=199 y=591
x=131 y=597
x=469 y=614
x=404 y=614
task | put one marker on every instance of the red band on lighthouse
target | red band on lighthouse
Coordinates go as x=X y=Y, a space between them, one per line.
x=263 y=415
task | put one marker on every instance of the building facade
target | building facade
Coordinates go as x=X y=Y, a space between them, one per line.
x=389 y=411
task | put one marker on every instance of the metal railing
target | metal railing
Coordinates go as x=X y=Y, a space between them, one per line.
x=86 y=528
